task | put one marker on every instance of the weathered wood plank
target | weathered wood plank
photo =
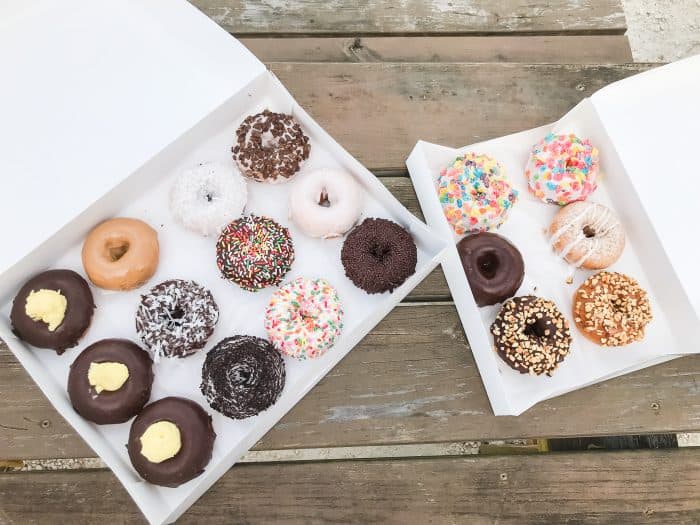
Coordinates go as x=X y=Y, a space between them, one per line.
x=412 y=379
x=379 y=111
x=554 y=49
x=307 y=17
x=613 y=487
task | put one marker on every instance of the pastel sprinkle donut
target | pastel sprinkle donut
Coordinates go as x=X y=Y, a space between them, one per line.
x=304 y=318
x=475 y=193
x=562 y=169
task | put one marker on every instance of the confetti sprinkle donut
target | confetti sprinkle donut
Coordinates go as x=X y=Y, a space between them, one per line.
x=475 y=193
x=304 y=318
x=562 y=169
x=254 y=252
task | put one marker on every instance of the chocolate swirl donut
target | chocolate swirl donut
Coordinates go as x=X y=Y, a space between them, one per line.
x=242 y=376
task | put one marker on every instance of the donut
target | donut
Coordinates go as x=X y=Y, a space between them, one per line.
x=270 y=147
x=494 y=267
x=378 y=255
x=611 y=309
x=110 y=381
x=242 y=376
x=254 y=252
x=562 y=169
x=325 y=203
x=121 y=254
x=475 y=193
x=206 y=198
x=531 y=335
x=588 y=235
x=304 y=318
x=53 y=310
x=171 y=441
x=176 y=318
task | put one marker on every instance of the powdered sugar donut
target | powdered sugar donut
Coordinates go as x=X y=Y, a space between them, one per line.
x=562 y=169
x=304 y=318
x=587 y=235
x=325 y=203
x=206 y=198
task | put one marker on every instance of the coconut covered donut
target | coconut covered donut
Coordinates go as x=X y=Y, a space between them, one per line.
x=587 y=235
x=304 y=318
x=206 y=198
x=325 y=203
x=562 y=169
x=270 y=147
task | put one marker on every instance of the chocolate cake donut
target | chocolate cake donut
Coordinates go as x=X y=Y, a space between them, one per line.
x=493 y=266
x=110 y=381
x=53 y=310
x=242 y=376
x=171 y=441
x=379 y=255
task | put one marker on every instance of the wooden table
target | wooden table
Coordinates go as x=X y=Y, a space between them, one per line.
x=392 y=433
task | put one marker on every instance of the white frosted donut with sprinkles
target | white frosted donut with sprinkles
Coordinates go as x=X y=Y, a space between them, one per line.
x=304 y=318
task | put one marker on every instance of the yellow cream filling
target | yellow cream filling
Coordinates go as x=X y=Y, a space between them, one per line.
x=107 y=376
x=160 y=441
x=48 y=306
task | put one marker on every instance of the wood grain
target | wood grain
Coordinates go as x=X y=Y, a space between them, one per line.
x=379 y=111
x=411 y=380
x=554 y=49
x=343 y=17
x=628 y=487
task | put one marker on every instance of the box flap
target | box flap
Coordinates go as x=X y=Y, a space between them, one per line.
x=92 y=90
x=652 y=120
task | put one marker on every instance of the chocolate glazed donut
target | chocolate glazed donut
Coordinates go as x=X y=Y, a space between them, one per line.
x=493 y=266
x=76 y=320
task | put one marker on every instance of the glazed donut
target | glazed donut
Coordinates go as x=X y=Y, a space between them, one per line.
x=475 y=193
x=562 y=169
x=206 y=198
x=587 y=235
x=121 y=254
x=494 y=267
x=611 y=309
x=176 y=318
x=531 y=335
x=254 y=252
x=325 y=203
x=53 y=310
x=378 y=255
x=304 y=318
x=270 y=147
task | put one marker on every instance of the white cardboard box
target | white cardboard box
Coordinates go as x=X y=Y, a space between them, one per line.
x=646 y=130
x=107 y=103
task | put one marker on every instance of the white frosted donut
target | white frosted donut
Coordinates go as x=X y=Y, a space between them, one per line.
x=325 y=203
x=206 y=198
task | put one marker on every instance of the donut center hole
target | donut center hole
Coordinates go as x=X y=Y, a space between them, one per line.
x=588 y=231
x=536 y=329
x=488 y=264
x=379 y=252
x=175 y=318
x=241 y=375
x=323 y=199
x=268 y=141
x=117 y=250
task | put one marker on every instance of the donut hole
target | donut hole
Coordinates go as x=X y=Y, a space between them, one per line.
x=207 y=196
x=588 y=231
x=240 y=375
x=175 y=317
x=117 y=249
x=379 y=251
x=323 y=199
x=537 y=329
x=488 y=264
x=268 y=141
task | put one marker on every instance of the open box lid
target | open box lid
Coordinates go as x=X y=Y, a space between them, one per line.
x=90 y=92
x=652 y=120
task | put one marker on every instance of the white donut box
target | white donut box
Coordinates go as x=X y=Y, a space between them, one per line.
x=103 y=104
x=646 y=130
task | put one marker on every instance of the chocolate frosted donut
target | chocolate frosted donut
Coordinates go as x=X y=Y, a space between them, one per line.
x=171 y=441
x=379 y=255
x=176 y=318
x=493 y=266
x=531 y=335
x=110 y=381
x=242 y=376
x=53 y=310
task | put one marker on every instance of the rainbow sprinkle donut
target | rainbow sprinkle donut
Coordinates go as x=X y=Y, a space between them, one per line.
x=475 y=193
x=304 y=318
x=562 y=169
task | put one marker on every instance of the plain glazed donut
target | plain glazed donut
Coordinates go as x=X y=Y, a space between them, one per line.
x=121 y=254
x=587 y=235
x=325 y=203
